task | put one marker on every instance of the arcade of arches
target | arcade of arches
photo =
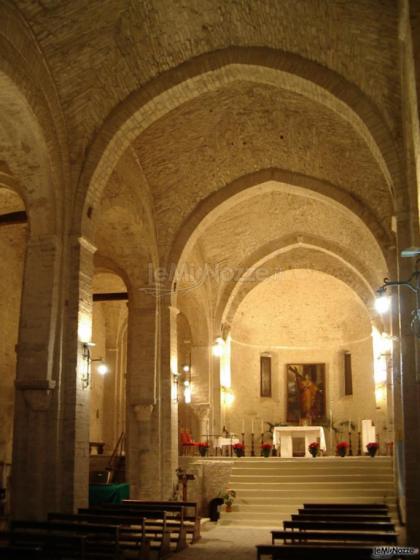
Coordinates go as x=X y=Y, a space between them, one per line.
x=171 y=174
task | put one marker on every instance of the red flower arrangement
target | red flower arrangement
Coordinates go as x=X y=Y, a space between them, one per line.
x=314 y=445
x=238 y=446
x=266 y=446
x=342 y=448
x=372 y=445
x=203 y=444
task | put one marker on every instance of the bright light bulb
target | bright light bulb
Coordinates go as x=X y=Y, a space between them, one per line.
x=186 y=368
x=229 y=398
x=382 y=303
x=102 y=369
x=187 y=392
x=218 y=347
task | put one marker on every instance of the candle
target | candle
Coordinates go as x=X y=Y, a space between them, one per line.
x=262 y=426
x=252 y=425
x=243 y=425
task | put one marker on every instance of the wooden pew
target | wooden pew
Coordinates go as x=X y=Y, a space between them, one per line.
x=134 y=533
x=340 y=536
x=101 y=541
x=175 y=518
x=191 y=516
x=309 y=551
x=335 y=525
x=346 y=506
x=303 y=515
x=43 y=547
x=161 y=528
x=341 y=511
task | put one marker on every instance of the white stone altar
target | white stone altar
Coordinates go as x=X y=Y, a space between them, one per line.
x=222 y=441
x=283 y=436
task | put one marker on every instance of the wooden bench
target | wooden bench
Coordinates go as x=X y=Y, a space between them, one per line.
x=303 y=515
x=191 y=515
x=100 y=541
x=175 y=516
x=341 y=511
x=341 y=536
x=135 y=533
x=346 y=506
x=160 y=526
x=335 y=525
x=43 y=547
x=311 y=552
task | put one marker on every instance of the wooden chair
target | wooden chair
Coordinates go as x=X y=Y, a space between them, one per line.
x=187 y=443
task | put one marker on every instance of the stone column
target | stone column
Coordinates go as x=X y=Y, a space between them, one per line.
x=74 y=394
x=410 y=368
x=408 y=235
x=110 y=435
x=203 y=413
x=169 y=406
x=35 y=445
x=143 y=434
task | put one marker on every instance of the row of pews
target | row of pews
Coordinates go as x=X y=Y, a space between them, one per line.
x=345 y=531
x=132 y=529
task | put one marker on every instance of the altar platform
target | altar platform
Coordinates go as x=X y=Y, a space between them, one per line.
x=271 y=489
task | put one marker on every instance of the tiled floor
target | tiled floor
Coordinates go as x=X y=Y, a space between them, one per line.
x=226 y=543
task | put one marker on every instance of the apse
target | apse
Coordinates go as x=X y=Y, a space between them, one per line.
x=302 y=316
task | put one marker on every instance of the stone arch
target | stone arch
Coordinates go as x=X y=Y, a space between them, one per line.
x=187 y=81
x=301 y=256
x=272 y=255
x=262 y=180
x=108 y=319
x=29 y=95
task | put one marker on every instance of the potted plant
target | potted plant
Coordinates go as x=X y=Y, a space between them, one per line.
x=239 y=449
x=314 y=448
x=228 y=497
x=342 y=448
x=266 y=449
x=203 y=448
x=372 y=448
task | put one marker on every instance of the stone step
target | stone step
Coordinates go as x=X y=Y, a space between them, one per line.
x=273 y=507
x=310 y=485
x=315 y=478
x=322 y=494
x=271 y=490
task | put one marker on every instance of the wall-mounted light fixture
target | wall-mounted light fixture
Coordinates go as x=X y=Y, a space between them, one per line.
x=186 y=376
x=85 y=377
x=175 y=385
x=382 y=303
x=102 y=368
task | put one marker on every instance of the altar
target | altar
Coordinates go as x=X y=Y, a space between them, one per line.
x=283 y=438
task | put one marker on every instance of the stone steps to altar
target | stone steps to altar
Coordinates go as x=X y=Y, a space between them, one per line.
x=269 y=490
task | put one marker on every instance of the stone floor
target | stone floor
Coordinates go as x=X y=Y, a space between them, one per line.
x=226 y=542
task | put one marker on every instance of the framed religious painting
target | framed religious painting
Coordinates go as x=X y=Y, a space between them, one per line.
x=305 y=393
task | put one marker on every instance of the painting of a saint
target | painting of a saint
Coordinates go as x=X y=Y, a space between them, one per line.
x=305 y=393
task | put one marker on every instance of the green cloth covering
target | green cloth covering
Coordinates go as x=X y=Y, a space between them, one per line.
x=108 y=493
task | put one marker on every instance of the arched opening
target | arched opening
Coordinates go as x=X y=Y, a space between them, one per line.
x=291 y=320
x=108 y=363
x=14 y=232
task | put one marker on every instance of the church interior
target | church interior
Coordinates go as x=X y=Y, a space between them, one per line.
x=210 y=280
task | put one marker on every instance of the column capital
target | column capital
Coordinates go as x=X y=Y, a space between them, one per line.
x=36 y=392
x=142 y=411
